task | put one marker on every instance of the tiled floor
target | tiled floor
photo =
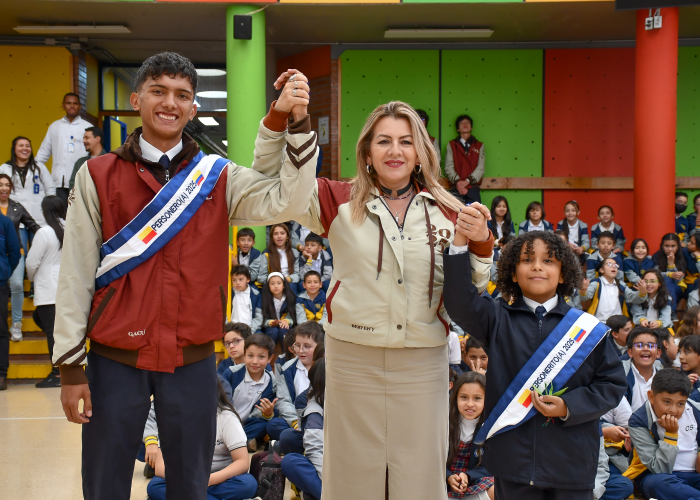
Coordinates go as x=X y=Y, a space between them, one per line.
x=40 y=455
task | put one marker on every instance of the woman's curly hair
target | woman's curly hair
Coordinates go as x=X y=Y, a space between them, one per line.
x=510 y=256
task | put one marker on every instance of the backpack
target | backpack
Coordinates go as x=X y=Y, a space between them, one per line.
x=266 y=468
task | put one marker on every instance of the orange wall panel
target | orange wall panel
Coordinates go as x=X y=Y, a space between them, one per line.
x=313 y=63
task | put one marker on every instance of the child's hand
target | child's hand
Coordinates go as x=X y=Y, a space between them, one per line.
x=615 y=434
x=234 y=260
x=476 y=367
x=669 y=423
x=628 y=444
x=274 y=322
x=462 y=344
x=671 y=258
x=644 y=323
x=284 y=324
x=641 y=286
x=266 y=407
x=584 y=287
x=455 y=483
x=655 y=324
x=616 y=250
x=151 y=454
x=464 y=481
x=678 y=275
x=693 y=377
x=549 y=406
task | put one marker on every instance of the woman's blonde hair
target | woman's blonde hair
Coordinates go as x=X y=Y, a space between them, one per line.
x=430 y=172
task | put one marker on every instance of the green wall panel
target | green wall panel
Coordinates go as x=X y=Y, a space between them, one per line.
x=374 y=77
x=688 y=129
x=518 y=200
x=502 y=91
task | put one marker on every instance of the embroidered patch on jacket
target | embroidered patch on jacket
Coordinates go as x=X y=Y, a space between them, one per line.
x=71 y=197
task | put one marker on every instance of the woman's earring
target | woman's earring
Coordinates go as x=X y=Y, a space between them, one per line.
x=369 y=169
x=419 y=167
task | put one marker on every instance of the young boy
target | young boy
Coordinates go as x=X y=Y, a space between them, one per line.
x=620 y=327
x=531 y=455
x=689 y=354
x=311 y=304
x=475 y=357
x=234 y=343
x=665 y=436
x=607 y=296
x=682 y=229
x=641 y=364
x=247 y=255
x=246 y=304
x=293 y=378
x=254 y=388
x=606 y=246
x=606 y=216
x=534 y=219
x=315 y=258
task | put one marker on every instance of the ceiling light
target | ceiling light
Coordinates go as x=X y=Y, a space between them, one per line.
x=211 y=72
x=439 y=33
x=213 y=94
x=72 y=30
x=225 y=142
x=208 y=121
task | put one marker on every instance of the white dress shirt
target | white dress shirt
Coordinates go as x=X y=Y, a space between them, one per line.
x=152 y=153
x=536 y=227
x=573 y=232
x=641 y=388
x=619 y=415
x=242 y=307
x=609 y=304
x=549 y=305
x=248 y=393
x=284 y=265
x=63 y=142
x=301 y=378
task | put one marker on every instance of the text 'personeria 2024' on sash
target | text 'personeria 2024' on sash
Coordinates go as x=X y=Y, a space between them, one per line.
x=553 y=364
x=159 y=221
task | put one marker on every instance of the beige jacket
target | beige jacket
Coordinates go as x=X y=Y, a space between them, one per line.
x=252 y=199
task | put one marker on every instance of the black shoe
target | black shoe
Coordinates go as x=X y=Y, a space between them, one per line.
x=148 y=471
x=3 y=383
x=53 y=380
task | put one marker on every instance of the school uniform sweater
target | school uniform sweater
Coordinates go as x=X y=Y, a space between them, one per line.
x=693 y=272
x=527 y=226
x=311 y=425
x=594 y=260
x=533 y=454
x=325 y=268
x=285 y=312
x=654 y=453
x=286 y=392
x=681 y=228
x=253 y=302
x=625 y=296
x=252 y=261
x=468 y=460
x=292 y=267
x=692 y=223
x=581 y=237
x=631 y=380
x=694 y=298
x=634 y=270
x=639 y=312
x=312 y=309
x=235 y=375
x=615 y=229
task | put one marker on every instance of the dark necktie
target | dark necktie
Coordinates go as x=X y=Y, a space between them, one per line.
x=540 y=311
x=165 y=161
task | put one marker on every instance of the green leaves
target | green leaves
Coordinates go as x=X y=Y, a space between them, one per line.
x=549 y=391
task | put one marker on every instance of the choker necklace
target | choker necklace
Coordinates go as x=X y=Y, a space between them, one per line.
x=407 y=191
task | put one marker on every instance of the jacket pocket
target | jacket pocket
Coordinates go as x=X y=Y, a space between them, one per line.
x=100 y=308
x=330 y=299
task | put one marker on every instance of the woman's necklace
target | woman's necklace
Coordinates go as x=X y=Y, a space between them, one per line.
x=408 y=190
x=397 y=213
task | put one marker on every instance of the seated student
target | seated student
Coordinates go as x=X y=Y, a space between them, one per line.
x=290 y=339
x=620 y=327
x=278 y=307
x=671 y=262
x=576 y=230
x=512 y=334
x=690 y=324
x=682 y=229
x=245 y=303
x=229 y=478
x=534 y=219
x=293 y=378
x=606 y=224
x=311 y=304
x=609 y=296
x=246 y=254
x=689 y=355
x=691 y=254
x=638 y=262
x=466 y=477
x=280 y=256
x=234 y=343
x=299 y=234
x=304 y=470
x=254 y=388
x=655 y=312
x=694 y=218
x=610 y=484
x=475 y=357
x=315 y=258
x=606 y=242
x=664 y=434
x=501 y=224
x=641 y=364
x=668 y=348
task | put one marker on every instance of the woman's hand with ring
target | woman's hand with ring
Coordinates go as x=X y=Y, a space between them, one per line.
x=472 y=224
x=295 y=94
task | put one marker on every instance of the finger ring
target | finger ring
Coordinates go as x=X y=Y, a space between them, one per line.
x=294 y=92
x=468 y=224
x=296 y=84
x=293 y=77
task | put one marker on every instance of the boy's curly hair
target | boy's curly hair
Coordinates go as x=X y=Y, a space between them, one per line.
x=510 y=256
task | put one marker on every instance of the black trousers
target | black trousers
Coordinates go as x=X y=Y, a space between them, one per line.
x=63 y=194
x=4 y=331
x=44 y=317
x=185 y=405
x=508 y=490
x=473 y=195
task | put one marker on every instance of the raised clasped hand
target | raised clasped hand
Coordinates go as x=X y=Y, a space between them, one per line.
x=472 y=224
x=295 y=94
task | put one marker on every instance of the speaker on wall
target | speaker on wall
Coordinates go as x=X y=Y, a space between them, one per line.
x=242 y=27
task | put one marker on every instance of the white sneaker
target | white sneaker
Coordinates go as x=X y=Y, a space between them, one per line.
x=16 y=332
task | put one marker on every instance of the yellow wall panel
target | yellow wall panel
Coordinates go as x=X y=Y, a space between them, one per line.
x=34 y=81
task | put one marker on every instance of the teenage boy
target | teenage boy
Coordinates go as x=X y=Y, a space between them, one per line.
x=247 y=255
x=234 y=343
x=682 y=229
x=315 y=258
x=152 y=298
x=311 y=303
x=620 y=327
x=664 y=433
x=641 y=364
x=254 y=388
x=606 y=244
x=293 y=378
x=465 y=162
x=93 y=140
x=529 y=452
x=246 y=303
x=64 y=142
x=689 y=356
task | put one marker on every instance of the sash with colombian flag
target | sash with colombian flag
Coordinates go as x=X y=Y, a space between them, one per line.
x=164 y=216
x=554 y=362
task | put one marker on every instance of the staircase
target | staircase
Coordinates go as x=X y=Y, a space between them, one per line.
x=29 y=359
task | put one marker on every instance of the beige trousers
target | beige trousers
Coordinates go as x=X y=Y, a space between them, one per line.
x=385 y=409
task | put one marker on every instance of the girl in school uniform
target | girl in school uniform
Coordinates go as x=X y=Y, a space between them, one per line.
x=576 y=230
x=502 y=223
x=671 y=262
x=280 y=257
x=638 y=263
x=534 y=219
x=467 y=479
x=278 y=306
x=655 y=312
